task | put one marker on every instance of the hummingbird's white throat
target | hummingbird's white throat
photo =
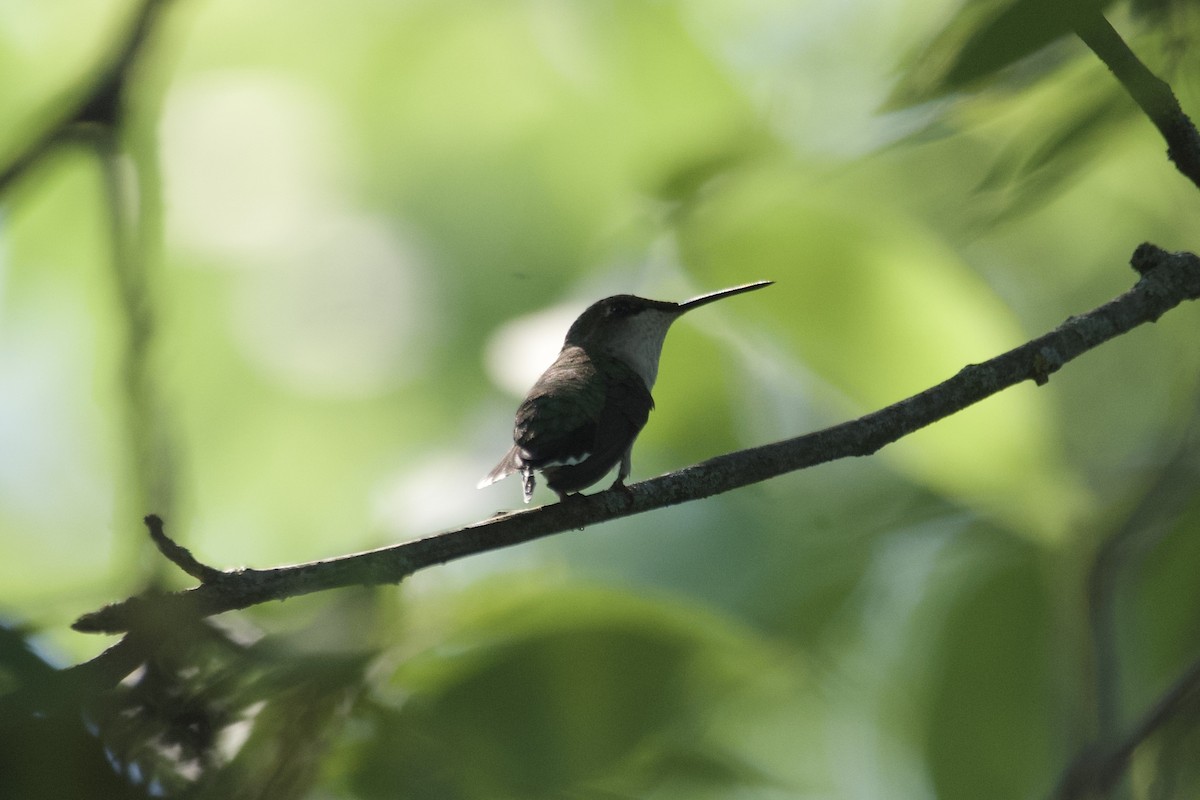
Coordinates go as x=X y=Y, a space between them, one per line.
x=640 y=342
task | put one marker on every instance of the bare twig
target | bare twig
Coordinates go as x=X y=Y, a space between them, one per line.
x=1150 y=92
x=1167 y=280
x=179 y=555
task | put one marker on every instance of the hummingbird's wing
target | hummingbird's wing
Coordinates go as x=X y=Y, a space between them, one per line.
x=577 y=422
x=557 y=422
x=602 y=436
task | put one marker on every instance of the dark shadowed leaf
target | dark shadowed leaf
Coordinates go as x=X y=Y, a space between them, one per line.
x=984 y=37
x=997 y=699
x=585 y=694
x=49 y=746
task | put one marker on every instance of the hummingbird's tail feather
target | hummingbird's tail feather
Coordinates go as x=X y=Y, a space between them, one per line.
x=507 y=466
x=512 y=462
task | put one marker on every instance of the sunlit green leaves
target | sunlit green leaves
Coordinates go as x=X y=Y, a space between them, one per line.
x=361 y=199
x=879 y=308
x=539 y=118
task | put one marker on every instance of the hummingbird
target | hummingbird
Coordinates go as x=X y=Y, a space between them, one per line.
x=583 y=414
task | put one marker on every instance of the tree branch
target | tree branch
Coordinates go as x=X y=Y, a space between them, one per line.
x=99 y=101
x=1167 y=280
x=1152 y=94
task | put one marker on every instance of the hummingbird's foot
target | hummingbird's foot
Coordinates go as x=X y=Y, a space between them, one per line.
x=569 y=497
x=527 y=483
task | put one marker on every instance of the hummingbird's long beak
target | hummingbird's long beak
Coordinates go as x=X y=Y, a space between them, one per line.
x=705 y=299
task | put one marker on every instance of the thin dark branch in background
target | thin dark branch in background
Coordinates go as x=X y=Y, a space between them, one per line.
x=134 y=220
x=1151 y=93
x=95 y=114
x=1096 y=770
x=98 y=101
x=1167 y=280
x=1159 y=505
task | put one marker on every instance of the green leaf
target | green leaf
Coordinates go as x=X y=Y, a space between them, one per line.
x=984 y=37
x=996 y=703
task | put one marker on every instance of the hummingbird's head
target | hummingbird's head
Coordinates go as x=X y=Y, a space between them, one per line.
x=624 y=316
x=618 y=317
x=631 y=328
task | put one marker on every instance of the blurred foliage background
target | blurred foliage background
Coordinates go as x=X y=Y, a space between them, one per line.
x=293 y=312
